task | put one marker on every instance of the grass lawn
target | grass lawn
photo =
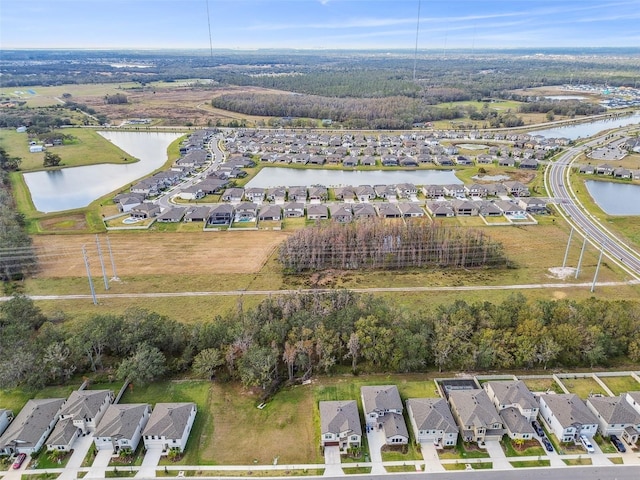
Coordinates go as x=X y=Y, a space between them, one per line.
x=616 y=460
x=412 y=454
x=357 y=470
x=45 y=460
x=529 y=448
x=463 y=451
x=577 y=461
x=531 y=463
x=620 y=385
x=15 y=399
x=401 y=468
x=605 y=444
x=463 y=466
x=582 y=387
x=542 y=385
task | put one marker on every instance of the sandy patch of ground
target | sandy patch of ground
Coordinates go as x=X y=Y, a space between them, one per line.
x=561 y=273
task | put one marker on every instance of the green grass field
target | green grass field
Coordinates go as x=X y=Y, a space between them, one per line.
x=620 y=385
x=583 y=387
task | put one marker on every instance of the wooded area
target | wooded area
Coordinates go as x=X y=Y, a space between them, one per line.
x=291 y=337
x=378 y=244
x=17 y=257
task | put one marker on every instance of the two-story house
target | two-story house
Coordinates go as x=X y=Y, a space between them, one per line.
x=567 y=416
x=432 y=421
x=476 y=416
x=383 y=410
x=340 y=425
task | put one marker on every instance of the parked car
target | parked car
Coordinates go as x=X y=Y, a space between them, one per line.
x=19 y=461
x=547 y=444
x=618 y=444
x=586 y=443
x=536 y=426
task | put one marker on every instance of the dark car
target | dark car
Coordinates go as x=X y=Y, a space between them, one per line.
x=536 y=426
x=547 y=444
x=618 y=444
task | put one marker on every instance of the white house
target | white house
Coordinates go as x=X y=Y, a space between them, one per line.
x=614 y=415
x=169 y=426
x=567 y=416
x=36 y=148
x=121 y=426
x=86 y=408
x=432 y=421
x=31 y=427
x=340 y=424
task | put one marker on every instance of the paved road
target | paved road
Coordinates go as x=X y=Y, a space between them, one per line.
x=558 y=186
x=164 y=201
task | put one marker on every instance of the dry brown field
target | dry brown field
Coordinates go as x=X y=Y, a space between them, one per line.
x=148 y=253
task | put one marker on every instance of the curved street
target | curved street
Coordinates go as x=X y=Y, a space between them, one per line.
x=559 y=188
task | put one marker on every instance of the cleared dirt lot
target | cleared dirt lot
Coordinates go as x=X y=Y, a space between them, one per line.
x=147 y=253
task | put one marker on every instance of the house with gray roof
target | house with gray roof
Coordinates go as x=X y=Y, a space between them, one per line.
x=614 y=415
x=171 y=215
x=567 y=416
x=395 y=429
x=340 y=424
x=410 y=209
x=317 y=212
x=63 y=436
x=516 y=394
x=169 y=426
x=440 y=209
x=31 y=427
x=220 y=214
x=145 y=210
x=516 y=425
x=340 y=213
x=631 y=435
x=270 y=213
x=121 y=426
x=293 y=210
x=233 y=195
x=197 y=214
x=432 y=421
x=297 y=194
x=5 y=419
x=363 y=210
x=379 y=401
x=476 y=416
x=86 y=407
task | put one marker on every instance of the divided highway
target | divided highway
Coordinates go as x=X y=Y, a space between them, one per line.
x=559 y=188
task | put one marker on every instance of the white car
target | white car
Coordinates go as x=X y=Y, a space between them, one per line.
x=586 y=444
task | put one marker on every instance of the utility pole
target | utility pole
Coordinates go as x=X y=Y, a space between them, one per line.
x=113 y=263
x=104 y=271
x=584 y=244
x=86 y=264
x=593 y=285
x=566 y=253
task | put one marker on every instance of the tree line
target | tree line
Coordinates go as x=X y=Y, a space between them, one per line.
x=17 y=257
x=377 y=244
x=290 y=337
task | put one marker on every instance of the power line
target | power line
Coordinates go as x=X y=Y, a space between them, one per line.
x=209 y=25
x=415 y=57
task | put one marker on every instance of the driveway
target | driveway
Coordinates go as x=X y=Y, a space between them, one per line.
x=376 y=441
x=100 y=464
x=332 y=462
x=431 y=460
x=499 y=459
x=80 y=448
x=150 y=462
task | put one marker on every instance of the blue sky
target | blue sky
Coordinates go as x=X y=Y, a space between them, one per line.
x=371 y=24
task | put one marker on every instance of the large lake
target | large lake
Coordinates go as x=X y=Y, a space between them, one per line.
x=615 y=198
x=77 y=187
x=584 y=130
x=287 y=177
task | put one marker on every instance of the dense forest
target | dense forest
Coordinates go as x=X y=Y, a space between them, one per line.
x=290 y=337
x=377 y=244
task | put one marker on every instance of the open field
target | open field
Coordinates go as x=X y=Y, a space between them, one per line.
x=542 y=385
